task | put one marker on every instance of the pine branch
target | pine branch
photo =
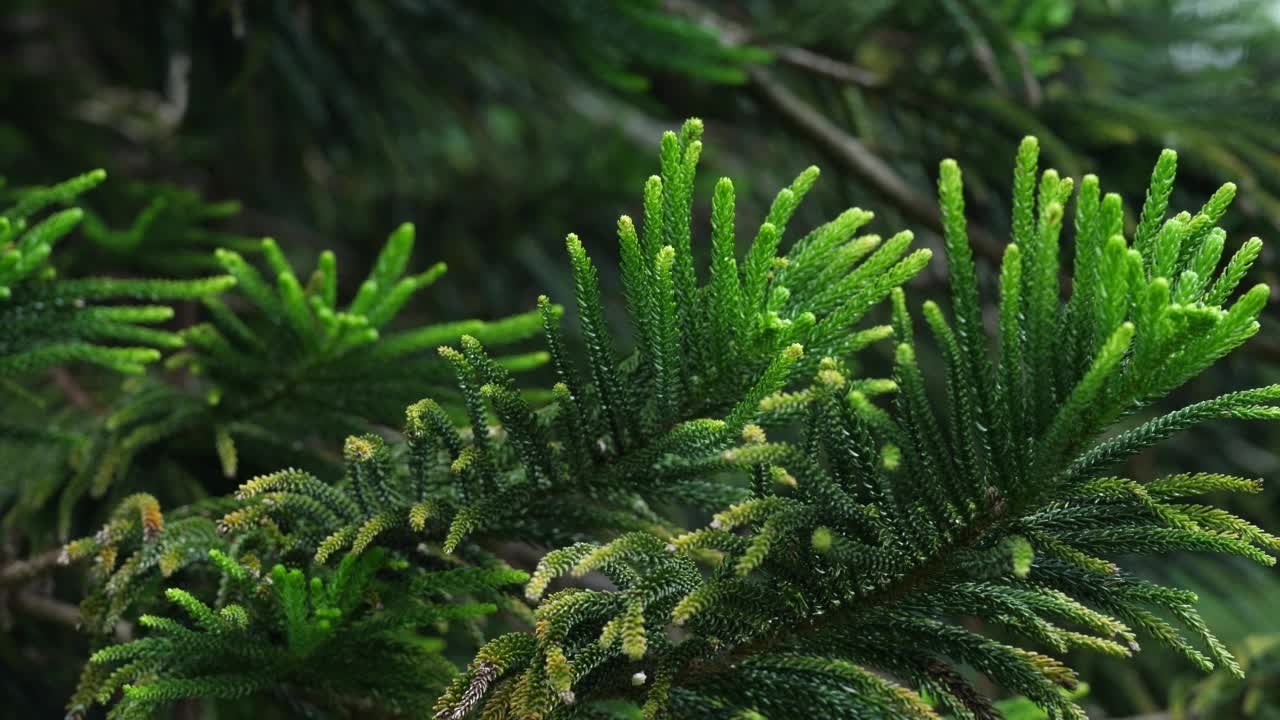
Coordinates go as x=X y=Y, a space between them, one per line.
x=619 y=446
x=863 y=537
x=840 y=548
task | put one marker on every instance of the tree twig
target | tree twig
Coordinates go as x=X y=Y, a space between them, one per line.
x=829 y=67
x=859 y=159
x=46 y=608
x=20 y=572
x=846 y=149
x=71 y=388
x=56 y=611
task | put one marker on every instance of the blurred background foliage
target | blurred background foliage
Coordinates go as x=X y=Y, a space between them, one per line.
x=497 y=127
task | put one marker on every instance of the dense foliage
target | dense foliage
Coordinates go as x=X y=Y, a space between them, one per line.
x=824 y=552
x=863 y=537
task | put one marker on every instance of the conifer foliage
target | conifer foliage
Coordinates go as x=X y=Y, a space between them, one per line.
x=279 y=362
x=627 y=445
x=298 y=367
x=833 y=591
x=847 y=535
x=322 y=634
x=48 y=321
x=298 y=358
x=635 y=435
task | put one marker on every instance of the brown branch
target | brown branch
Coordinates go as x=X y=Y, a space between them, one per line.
x=52 y=610
x=846 y=149
x=1030 y=84
x=72 y=389
x=44 y=607
x=859 y=159
x=20 y=572
x=828 y=67
x=734 y=34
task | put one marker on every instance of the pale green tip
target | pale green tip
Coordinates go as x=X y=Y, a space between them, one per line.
x=822 y=539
